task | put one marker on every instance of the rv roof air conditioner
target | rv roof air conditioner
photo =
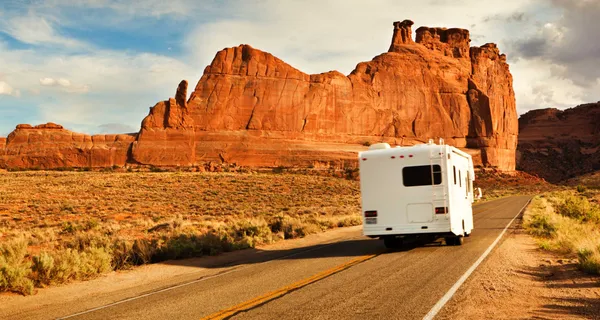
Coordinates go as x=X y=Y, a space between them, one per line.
x=379 y=146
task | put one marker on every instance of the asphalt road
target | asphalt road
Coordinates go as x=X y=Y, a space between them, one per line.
x=355 y=278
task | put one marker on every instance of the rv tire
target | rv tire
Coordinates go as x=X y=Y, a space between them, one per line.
x=458 y=241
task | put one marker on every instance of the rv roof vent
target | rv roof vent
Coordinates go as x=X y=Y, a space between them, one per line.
x=379 y=146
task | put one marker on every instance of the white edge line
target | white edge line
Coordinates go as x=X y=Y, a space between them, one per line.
x=440 y=304
x=191 y=282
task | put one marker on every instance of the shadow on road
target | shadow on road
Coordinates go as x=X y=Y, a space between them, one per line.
x=347 y=248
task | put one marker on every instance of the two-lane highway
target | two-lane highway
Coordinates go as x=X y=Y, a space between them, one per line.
x=353 y=278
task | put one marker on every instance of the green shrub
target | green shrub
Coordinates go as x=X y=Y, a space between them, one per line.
x=252 y=232
x=292 y=227
x=15 y=267
x=540 y=226
x=43 y=266
x=589 y=260
x=579 y=208
x=68 y=264
x=350 y=221
x=190 y=245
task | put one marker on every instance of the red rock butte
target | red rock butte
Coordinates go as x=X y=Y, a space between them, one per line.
x=253 y=109
x=557 y=145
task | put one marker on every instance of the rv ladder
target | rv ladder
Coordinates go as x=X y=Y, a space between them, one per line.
x=438 y=192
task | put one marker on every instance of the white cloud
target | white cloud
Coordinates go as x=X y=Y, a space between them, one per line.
x=313 y=36
x=120 y=86
x=317 y=36
x=36 y=30
x=47 y=81
x=6 y=89
x=65 y=85
x=556 y=58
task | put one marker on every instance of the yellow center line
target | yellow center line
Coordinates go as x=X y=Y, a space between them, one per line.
x=225 y=313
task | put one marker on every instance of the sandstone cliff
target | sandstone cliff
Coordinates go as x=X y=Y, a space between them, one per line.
x=558 y=145
x=51 y=146
x=253 y=109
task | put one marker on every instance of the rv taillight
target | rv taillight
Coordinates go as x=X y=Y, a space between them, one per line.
x=364 y=159
x=441 y=210
x=371 y=214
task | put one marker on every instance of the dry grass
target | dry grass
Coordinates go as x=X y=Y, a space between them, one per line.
x=497 y=185
x=59 y=226
x=567 y=222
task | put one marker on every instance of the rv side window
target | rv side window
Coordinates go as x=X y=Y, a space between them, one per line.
x=459 y=179
x=421 y=175
x=454 y=168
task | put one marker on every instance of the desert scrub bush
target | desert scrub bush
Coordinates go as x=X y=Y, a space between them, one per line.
x=126 y=254
x=349 y=221
x=562 y=224
x=579 y=208
x=539 y=225
x=70 y=264
x=589 y=260
x=292 y=227
x=15 y=267
x=252 y=232
x=193 y=245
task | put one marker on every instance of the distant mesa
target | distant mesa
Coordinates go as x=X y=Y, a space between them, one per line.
x=253 y=109
x=557 y=145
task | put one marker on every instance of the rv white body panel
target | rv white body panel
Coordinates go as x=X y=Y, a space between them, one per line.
x=422 y=189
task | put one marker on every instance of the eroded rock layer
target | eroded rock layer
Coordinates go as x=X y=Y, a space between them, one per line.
x=253 y=109
x=558 y=145
x=49 y=146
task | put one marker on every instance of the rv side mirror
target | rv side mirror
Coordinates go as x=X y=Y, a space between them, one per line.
x=478 y=195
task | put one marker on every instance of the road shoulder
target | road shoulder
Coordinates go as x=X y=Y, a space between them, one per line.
x=120 y=285
x=519 y=280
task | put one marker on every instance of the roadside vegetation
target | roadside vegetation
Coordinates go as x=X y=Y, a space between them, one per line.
x=61 y=226
x=568 y=222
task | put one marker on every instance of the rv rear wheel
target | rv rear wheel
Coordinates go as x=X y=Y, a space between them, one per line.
x=455 y=241
x=392 y=242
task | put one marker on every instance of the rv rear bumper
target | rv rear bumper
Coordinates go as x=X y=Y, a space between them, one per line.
x=380 y=231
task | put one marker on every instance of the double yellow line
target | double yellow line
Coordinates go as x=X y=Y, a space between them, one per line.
x=223 y=314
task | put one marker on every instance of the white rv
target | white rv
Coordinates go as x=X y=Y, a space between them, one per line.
x=421 y=190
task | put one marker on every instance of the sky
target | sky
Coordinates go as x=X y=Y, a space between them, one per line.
x=96 y=66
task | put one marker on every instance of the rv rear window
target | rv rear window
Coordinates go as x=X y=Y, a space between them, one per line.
x=421 y=175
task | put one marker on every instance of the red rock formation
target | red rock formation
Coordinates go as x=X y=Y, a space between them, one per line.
x=450 y=42
x=167 y=134
x=494 y=127
x=558 y=145
x=50 y=146
x=253 y=109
